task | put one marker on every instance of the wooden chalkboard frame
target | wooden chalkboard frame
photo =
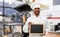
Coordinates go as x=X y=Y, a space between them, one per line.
x=29 y=29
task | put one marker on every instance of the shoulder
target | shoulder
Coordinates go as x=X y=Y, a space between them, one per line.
x=43 y=19
x=29 y=18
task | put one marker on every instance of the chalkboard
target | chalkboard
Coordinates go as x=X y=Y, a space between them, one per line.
x=36 y=29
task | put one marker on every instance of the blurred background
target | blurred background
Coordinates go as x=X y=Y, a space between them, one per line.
x=14 y=13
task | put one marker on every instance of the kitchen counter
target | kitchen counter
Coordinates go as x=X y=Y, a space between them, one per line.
x=50 y=34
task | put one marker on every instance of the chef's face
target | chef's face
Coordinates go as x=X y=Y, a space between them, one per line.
x=36 y=11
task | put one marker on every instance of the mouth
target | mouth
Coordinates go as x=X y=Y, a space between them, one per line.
x=37 y=12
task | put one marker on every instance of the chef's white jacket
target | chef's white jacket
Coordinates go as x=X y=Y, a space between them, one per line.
x=35 y=20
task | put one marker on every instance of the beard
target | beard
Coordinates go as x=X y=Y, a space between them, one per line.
x=37 y=12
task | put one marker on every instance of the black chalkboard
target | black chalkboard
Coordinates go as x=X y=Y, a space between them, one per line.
x=36 y=29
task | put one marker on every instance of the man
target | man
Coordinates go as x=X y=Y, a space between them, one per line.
x=35 y=19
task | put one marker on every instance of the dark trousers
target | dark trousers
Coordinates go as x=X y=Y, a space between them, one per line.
x=26 y=34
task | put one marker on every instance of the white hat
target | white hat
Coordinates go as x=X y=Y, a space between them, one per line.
x=35 y=5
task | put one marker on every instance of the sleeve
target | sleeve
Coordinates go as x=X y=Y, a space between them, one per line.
x=25 y=27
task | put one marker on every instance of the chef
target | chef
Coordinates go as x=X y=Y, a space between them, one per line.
x=35 y=19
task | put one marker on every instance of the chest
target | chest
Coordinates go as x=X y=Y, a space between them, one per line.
x=37 y=20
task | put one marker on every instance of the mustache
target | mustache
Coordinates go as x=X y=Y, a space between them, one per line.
x=37 y=11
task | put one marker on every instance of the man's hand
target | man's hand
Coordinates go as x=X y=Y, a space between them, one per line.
x=43 y=34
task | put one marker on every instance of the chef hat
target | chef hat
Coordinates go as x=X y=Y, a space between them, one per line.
x=35 y=5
